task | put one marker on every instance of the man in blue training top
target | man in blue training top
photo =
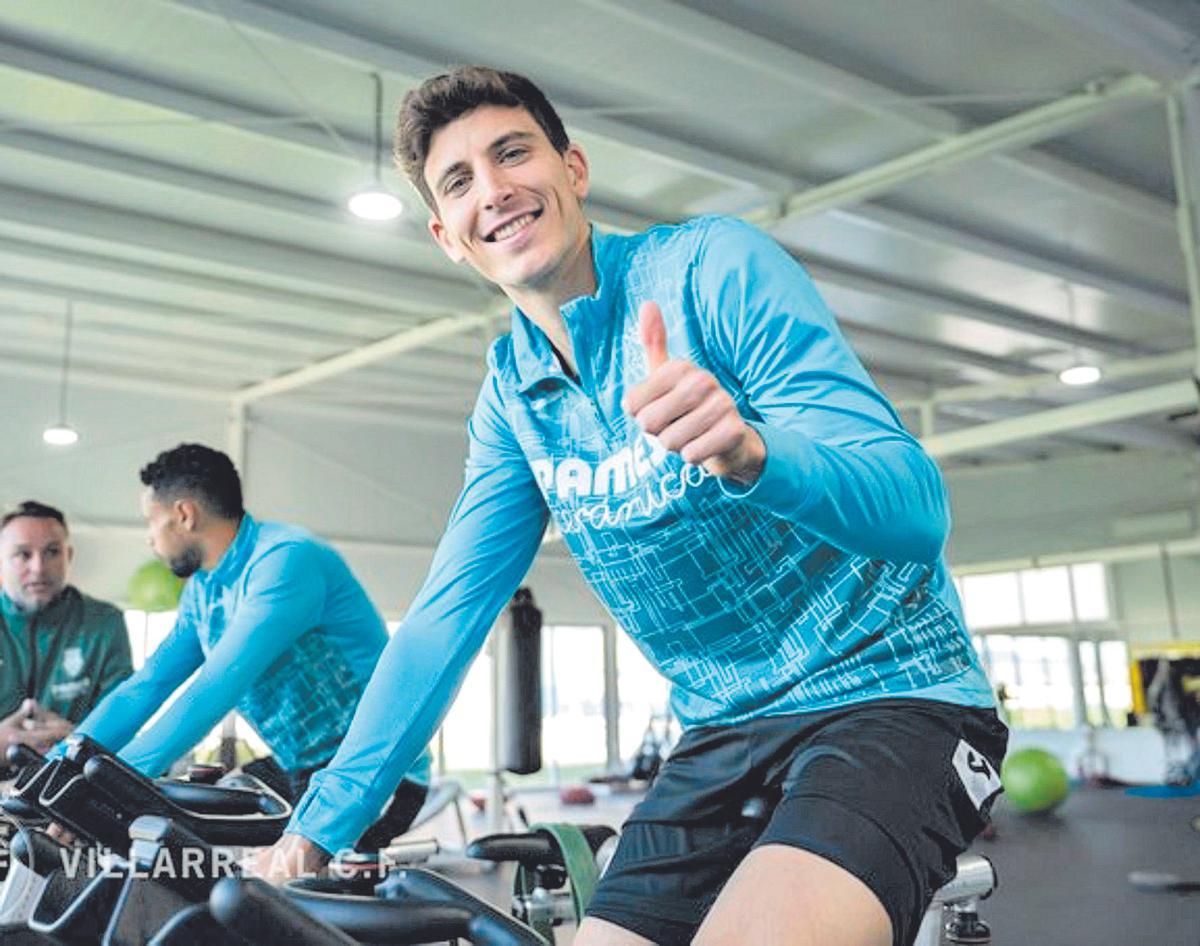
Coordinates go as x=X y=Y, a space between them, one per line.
x=274 y=622
x=746 y=504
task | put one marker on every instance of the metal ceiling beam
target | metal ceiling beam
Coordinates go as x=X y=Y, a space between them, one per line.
x=169 y=175
x=409 y=229
x=1007 y=134
x=702 y=160
x=718 y=38
x=1174 y=363
x=782 y=64
x=1163 y=398
x=177 y=99
x=127 y=165
x=200 y=373
x=143 y=382
x=360 y=415
x=107 y=378
x=43 y=333
x=122 y=163
x=201 y=326
x=1134 y=36
x=1123 y=287
x=103 y=223
x=296 y=266
x=927 y=299
x=895 y=342
x=1106 y=436
x=58 y=66
x=377 y=351
x=317 y=310
x=361 y=52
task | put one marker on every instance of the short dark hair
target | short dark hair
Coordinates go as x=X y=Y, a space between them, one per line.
x=32 y=509
x=198 y=472
x=438 y=101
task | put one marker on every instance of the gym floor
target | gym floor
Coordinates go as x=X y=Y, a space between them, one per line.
x=1063 y=877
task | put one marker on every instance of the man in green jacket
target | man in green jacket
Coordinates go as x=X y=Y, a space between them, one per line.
x=61 y=651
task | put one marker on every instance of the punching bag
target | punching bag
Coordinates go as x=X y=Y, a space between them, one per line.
x=518 y=655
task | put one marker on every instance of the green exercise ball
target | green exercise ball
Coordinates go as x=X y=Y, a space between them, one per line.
x=1034 y=781
x=153 y=587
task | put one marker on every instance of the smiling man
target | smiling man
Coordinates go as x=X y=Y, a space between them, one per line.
x=746 y=504
x=61 y=651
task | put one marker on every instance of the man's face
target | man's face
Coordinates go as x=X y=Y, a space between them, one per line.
x=507 y=202
x=168 y=536
x=36 y=558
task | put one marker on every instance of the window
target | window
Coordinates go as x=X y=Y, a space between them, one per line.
x=644 y=695
x=992 y=600
x=1046 y=595
x=1032 y=677
x=573 y=727
x=147 y=630
x=1091 y=592
x=465 y=739
x=573 y=735
x=1062 y=594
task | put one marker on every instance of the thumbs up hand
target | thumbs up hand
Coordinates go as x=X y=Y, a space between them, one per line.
x=689 y=412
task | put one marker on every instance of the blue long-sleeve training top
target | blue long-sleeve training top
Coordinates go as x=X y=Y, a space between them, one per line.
x=280 y=630
x=821 y=585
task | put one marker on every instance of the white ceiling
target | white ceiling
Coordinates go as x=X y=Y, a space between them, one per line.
x=177 y=171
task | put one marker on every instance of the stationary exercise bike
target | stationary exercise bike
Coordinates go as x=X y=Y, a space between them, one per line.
x=103 y=891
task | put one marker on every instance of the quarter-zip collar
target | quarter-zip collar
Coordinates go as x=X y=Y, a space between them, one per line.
x=231 y=565
x=586 y=319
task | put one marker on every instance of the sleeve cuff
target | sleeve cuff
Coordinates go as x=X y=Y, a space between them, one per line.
x=788 y=482
x=321 y=819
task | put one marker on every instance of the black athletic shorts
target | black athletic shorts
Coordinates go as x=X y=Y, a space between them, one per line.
x=890 y=790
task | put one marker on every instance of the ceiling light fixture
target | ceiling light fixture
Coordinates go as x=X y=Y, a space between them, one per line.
x=63 y=434
x=376 y=202
x=1081 y=373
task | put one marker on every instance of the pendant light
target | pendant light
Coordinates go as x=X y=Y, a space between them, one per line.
x=376 y=202
x=1082 y=372
x=63 y=434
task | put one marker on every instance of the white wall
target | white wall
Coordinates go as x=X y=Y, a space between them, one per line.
x=1074 y=504
x=1140 y=596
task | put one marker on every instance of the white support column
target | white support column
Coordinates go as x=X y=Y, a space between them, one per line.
x=236 y=438
x=1075 y=669
x=1183 y=122
x=1162 y=398
x=612 y=702
x=388 y=347
x=235 y=444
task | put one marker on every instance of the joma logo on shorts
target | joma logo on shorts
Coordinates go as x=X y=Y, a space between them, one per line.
x=573 y=477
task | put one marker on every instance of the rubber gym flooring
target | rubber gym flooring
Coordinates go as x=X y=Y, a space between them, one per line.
x=1063 y=877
